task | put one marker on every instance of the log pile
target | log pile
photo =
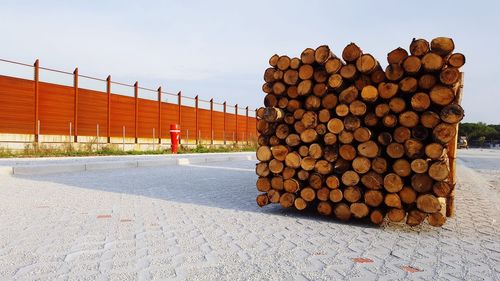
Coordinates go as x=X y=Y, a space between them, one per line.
x=351 y=139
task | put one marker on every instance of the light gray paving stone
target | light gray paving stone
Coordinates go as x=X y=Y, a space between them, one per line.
x=200 y=222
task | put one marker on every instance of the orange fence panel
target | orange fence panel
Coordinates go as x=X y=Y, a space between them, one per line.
x=17 y=105
x=148 y=118
x=92 y=110
x=122 y=114
x=57 y=114
x=56 y=107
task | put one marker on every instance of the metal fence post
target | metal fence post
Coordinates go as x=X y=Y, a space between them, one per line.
x=123 y=138
x=196 y=119
x=75 y=117
x=108 y=122
x=246 y=124
x=179 y=117
x=224 y=132
x=136 y=119
x=236 y=121
x=97 y=131
x=36 y=124
x=159 y=115
x=211 y=121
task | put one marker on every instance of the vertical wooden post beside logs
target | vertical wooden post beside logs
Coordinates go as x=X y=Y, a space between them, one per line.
x=452 y=156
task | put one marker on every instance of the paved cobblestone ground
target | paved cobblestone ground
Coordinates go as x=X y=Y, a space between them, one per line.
x=200 y=222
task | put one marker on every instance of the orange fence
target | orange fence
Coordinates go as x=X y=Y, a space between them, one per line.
x=37 y=107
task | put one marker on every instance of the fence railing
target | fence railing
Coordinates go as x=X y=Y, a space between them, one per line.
x=36 y=107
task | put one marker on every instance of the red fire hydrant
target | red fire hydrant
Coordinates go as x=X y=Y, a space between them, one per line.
x=175 y=132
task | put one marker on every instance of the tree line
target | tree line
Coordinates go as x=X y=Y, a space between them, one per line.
x=479 y=132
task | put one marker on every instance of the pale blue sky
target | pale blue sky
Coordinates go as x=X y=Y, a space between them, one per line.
x=220 y=48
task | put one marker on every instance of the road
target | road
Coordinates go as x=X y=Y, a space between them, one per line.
x=200 y=222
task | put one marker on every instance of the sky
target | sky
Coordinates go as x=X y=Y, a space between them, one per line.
x=220 y=49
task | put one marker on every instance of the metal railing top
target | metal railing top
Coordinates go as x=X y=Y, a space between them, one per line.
x=123 y=84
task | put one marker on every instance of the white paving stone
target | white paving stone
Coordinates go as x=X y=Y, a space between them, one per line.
x=200 y=222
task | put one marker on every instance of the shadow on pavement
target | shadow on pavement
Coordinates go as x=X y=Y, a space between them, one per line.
x=228 y=185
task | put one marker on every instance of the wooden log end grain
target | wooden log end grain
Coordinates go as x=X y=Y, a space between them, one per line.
x=428 y=203
x=442 y=46
x=300 y=204
x=342 y=212
x=273 y=196
x=359 y=210
x=273 y=60
x=351 y=52
x=262 y=200
x=393 y=182
x=415 y=217
x=287 y=200
x=377 y=216
x=325 y=208
x=396 y=215
x=307 y=56
x=322 y=54
x=419 y=47
x=397 y=56
x=436 y=219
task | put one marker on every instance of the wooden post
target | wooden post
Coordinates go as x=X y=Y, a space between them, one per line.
x=136 y=119
x=159 y=115
x=75 y=118
x=37 y=79
x=179 y=118
x=246 y=124
x=224 y=118
x=196 y=119
x=108 y=92
x=236 y=120
x=452 y=156
x=212 y=121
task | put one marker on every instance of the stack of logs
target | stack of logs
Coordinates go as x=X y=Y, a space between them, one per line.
x=349 y=139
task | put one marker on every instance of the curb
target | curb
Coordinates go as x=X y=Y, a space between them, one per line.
x=109 y=165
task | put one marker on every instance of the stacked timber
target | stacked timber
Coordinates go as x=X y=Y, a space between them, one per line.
x=350 y=139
